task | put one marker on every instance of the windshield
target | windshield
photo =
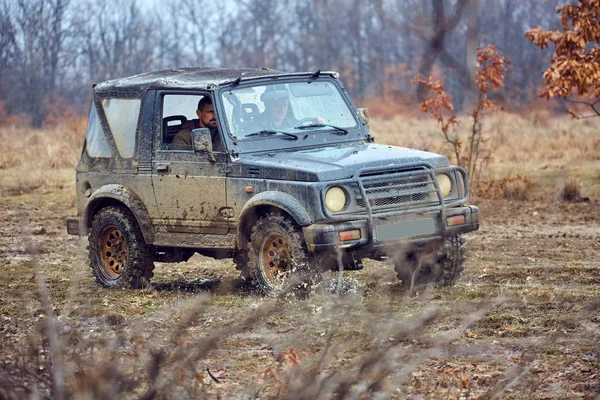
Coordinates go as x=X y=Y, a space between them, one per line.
x=272 y=110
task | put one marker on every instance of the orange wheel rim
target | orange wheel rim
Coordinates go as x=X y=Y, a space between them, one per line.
x=114 y=252
x=276 y=260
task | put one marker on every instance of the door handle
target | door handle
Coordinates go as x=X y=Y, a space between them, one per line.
x=162 y=168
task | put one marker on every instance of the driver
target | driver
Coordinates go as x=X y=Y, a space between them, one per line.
x=278 y=115
x=206 y=119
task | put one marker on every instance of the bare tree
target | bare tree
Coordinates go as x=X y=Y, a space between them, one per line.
x=50 y=47
x=8 y=45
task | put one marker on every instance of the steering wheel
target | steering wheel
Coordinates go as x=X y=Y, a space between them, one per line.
x=305 y=120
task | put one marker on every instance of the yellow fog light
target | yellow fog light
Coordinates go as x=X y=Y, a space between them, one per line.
x=335 y=199
x=445 y=184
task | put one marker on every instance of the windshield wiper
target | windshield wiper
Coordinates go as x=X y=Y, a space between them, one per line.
x=338 y=130
x=272 y=132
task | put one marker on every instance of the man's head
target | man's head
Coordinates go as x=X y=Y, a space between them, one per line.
x=276 y=100
x=206 y=113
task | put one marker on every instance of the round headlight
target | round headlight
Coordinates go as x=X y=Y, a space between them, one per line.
x=445 y=184
x=335 y=199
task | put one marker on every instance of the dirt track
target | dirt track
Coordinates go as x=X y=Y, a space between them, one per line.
x=523 y=322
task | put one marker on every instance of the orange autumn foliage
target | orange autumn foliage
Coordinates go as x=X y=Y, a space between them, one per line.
x=575 y=65
x=490 y=76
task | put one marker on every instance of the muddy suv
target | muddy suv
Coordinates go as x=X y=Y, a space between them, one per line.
x=289 y=182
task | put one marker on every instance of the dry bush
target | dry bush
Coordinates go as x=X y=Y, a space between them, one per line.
x=568 y=190
x=473 y=153
x=510 y=188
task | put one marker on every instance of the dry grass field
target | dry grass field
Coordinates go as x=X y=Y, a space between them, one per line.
x=522 y=323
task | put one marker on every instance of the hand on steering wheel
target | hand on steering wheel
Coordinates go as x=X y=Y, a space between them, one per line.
x=304 y=121
x=315 y=120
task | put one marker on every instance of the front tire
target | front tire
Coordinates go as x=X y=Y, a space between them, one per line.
x=277 y=259
x=118 y=255
x=441 y=268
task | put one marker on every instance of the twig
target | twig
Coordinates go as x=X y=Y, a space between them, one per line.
x=214 y=378
x=58 y=373
x=591 y=105
x=513 y=382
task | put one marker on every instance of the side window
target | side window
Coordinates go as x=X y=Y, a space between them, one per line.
x=122 y=116
x=178 y=119
x=95 y=140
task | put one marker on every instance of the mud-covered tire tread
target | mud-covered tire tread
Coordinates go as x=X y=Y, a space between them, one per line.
x=306 y=274
x=452 y=260
x=444 y=269
x=140 y=256
x=240 y=259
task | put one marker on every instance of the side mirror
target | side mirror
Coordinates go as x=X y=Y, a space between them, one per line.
x=363 y=114
x=201 y=140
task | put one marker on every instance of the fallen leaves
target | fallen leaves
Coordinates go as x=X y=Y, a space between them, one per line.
x=289 y=357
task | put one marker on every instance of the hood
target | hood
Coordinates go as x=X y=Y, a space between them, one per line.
x=330 y=163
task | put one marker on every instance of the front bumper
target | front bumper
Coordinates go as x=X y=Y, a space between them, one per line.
x=380 y=232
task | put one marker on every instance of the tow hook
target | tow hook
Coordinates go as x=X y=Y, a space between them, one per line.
x=352 y=262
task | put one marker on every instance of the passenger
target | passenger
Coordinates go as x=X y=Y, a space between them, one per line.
x=277 y=114
x=206 y=119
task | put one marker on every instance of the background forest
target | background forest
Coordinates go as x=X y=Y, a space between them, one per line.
x=51 y=51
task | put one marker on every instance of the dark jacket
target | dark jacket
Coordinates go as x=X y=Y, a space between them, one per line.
x=183 y=138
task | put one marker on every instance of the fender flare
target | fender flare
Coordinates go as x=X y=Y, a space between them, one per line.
x=129 y=199
x=280 y=200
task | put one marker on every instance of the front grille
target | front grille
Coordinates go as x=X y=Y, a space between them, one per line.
x=253 y=172
x=398 y=190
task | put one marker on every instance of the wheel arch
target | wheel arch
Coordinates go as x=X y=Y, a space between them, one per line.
x=266 y=202
x=119 y=195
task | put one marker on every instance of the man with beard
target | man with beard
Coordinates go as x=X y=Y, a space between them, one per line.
x=206 y=119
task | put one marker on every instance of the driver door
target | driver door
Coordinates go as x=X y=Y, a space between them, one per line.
x=189 y=187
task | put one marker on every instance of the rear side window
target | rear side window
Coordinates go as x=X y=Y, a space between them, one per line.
x=122 y=116
x=95 y=140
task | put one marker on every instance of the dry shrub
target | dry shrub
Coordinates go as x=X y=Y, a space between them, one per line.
x=473 y=153
x=568 y=190
x=511 y=188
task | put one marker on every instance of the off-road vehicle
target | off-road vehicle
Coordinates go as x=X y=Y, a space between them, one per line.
x=296 y=184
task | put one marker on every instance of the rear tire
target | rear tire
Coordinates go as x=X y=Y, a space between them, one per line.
x=277 y=259
x=118 y=255
x=441 y=268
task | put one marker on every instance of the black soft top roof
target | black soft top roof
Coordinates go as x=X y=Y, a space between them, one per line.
x=188 y=78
